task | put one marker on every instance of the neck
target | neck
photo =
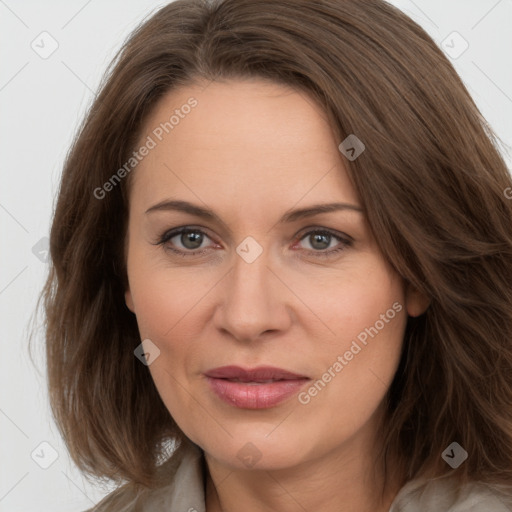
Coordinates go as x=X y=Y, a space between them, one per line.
x=337 y=482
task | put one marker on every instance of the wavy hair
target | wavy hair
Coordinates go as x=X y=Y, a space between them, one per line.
x=431 y=181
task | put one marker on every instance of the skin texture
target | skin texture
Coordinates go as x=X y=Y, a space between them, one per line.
x=251 y=151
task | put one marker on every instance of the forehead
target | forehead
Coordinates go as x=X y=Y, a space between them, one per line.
x=241 y=139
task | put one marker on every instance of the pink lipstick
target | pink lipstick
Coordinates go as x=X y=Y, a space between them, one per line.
x=258 y=388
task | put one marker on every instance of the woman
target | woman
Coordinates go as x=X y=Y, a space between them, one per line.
x=281 y=269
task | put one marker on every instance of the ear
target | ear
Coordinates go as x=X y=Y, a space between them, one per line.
x=416 y=303
x=129 y=300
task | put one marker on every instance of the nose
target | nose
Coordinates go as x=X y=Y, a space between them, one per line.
x=253 y=302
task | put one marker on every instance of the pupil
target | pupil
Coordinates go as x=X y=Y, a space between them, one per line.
x=191 y=240
x=323 y=239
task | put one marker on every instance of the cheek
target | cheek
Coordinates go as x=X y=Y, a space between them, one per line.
x=358 y=362
x=173 y=304
x=163 y=296
x=348 y=303
x=168 y=306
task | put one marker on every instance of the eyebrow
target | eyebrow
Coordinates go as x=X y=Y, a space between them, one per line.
x=289 y=216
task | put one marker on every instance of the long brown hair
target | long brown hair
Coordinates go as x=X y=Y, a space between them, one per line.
x=431 y=181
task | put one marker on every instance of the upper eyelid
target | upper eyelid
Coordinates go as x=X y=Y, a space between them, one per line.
x=342 y=237
x=171 y=233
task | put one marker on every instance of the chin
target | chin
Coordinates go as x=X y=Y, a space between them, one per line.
x=258 y=449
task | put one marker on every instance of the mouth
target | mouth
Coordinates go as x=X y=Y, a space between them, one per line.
x=258 y=388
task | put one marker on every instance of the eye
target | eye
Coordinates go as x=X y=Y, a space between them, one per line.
x=321 y=239
x=185 y=241
x=191 y=241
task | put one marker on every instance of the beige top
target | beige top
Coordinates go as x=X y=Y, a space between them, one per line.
x=186 y=492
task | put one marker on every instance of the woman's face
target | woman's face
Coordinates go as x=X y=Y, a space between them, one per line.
x=261 y=279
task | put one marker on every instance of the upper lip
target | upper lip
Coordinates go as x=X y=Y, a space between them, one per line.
x=262 y=373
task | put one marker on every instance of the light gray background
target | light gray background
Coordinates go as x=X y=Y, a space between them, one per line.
x=41 y=103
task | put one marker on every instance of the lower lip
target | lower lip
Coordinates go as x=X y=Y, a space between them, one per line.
x=255 y=396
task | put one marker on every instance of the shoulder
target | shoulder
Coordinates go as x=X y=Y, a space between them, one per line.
x=443 y=494
x=185 y=489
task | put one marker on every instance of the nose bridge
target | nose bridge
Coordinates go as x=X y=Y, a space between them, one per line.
x=249 y=284
x=249 y=277
x=253 y=302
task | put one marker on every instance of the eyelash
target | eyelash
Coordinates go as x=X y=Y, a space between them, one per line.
x=345 y=241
